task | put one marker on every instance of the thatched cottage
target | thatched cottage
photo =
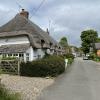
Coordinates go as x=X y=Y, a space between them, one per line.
x=23 y=39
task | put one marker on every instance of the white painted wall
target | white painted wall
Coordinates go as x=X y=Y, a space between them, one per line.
x=14 y=40
x=33 y=54
x=51 y=52
x=38 y=53
x=30 y=52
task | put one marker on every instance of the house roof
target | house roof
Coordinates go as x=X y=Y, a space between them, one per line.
x=21 y=25
x=97 y=46
x=16 y=48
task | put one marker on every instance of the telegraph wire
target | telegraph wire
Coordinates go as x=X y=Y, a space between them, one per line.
x=42 y=2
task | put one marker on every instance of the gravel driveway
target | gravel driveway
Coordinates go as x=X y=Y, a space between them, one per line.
x=29 y=88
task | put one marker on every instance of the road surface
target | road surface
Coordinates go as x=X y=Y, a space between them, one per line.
x=80 y=82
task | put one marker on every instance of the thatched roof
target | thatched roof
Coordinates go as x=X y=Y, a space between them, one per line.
x=20 y=25
x=16 y=48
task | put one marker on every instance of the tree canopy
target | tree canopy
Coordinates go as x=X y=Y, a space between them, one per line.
x=63 y=42
x=88 y=37
x=98 y=40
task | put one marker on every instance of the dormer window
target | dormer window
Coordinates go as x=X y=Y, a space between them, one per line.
x=42 y=43
x=59 y=47
x=55 y=46
x=51 y=44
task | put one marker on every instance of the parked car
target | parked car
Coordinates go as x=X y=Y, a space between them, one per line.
x=85 y=58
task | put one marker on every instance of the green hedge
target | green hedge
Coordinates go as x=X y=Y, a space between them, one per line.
x=49 y=66
x=97 y=59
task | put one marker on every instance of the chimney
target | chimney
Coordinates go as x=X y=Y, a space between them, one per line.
x=47 y=31
x=24 y=13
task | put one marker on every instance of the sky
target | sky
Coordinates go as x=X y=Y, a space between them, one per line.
x=64 y=18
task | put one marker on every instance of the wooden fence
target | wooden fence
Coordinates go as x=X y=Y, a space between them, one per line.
x=10 y=66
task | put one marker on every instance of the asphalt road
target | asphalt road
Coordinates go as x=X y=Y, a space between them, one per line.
x=80 y=82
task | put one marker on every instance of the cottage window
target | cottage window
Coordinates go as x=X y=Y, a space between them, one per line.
x=39 y=56
x=42 y=42
x=21 y=55
x=50 y=44
x=15 y=54
x=27 y=56
x=9 y=55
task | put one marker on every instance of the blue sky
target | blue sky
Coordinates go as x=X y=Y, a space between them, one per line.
x=67 y=17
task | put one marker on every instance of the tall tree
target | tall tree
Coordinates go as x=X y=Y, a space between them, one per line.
x=88 y=37
x=63 y=42
x=98 y=40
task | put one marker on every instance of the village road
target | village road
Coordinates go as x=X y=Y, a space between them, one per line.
x=80 y=82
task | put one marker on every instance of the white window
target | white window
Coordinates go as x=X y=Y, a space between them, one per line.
x=21 y=55
x=15 y=55
x=27 y=56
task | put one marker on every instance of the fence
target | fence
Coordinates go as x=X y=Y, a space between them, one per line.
x=10 y=66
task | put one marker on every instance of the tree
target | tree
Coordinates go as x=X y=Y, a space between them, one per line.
x=63 y=42
x=88 y=37
x=98 y=40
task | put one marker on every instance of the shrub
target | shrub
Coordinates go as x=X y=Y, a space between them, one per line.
x=92 y=56
x=9 y=58
x=97 y=58
x=51 y=66
x=69 y=56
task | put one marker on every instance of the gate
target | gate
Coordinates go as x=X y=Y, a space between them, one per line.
x=10 y=66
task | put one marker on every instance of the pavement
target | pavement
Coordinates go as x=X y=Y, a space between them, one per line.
x=80 y=82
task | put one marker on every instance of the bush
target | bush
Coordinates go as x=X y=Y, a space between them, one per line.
x=9 y=58
x=97 y=58
x=51 y=66
x=70 y=60
x=69 y=56
x=92 y=56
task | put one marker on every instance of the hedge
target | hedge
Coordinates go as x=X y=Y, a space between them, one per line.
x=49 y=66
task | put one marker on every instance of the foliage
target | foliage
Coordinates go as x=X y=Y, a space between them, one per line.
x=94 y=57
x=69 y=56
x=97 y=58
x=9 y=58
x=63 y=42
x=51 y=66
x=88 y=38
x=4 y=95
x=70 y=60
x=98 y=40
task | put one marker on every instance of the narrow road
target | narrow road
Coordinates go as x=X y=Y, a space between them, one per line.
x=80 y=82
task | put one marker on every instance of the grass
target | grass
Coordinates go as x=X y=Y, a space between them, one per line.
x=4 y=94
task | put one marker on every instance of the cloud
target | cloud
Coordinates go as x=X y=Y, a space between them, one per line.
x=66 y=17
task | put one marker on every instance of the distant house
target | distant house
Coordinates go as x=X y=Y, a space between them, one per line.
x=97 y=46
x=23 y=39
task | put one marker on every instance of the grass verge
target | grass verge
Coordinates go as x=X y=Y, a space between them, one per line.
x=5 y=95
